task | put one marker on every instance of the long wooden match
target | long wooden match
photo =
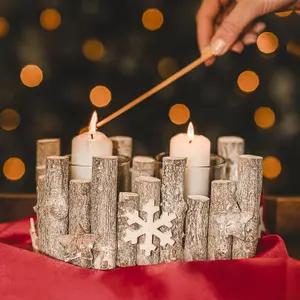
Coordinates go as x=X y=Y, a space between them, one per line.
x=205 y=55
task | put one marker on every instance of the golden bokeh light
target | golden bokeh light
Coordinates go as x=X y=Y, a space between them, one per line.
x=9 y=119
x=267 y=42
x=84 y=129
x=152 y=19
x=31 y=75
x=271 y=167
x=4 y=27
x=100 y=96
x=248 y=81
x=264 y=117
x=166 y=67
x=93 y=49
x=14 y=168
x=179 y=114
x=50 y=19
x=284 y=13
x=297 y=12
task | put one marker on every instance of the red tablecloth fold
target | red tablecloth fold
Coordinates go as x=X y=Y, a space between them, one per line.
x=25 y=275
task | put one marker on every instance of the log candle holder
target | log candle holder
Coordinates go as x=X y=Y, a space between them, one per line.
x=107 y=223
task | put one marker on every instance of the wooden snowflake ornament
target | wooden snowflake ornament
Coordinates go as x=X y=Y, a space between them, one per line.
x=150 y=228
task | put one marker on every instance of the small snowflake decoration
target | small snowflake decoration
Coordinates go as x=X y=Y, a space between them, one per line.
x=150 y=228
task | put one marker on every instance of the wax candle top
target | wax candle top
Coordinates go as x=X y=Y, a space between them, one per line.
x=89 y=144
x=196 y=148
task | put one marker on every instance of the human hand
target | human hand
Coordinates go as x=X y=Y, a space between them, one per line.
x=229 y=25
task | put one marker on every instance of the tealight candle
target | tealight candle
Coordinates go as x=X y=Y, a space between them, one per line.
x=196 y=148
x=84 y=147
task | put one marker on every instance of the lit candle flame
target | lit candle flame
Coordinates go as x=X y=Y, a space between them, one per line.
x=190 y=132
x=93 y=124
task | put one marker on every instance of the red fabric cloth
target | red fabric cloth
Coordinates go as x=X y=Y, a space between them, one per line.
x=25 y=275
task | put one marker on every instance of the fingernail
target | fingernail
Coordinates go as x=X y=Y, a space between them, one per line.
x=249 y=39
x=237 y=48
x=218 y=47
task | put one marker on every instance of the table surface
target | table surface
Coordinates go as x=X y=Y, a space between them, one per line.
x=282 y=215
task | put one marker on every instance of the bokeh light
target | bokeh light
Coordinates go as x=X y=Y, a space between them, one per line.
x=152 y=19
x=271 y=167
x=9 y=119
x=248 y=81
x=297 y=12
x=284 y=13
x=100 y=96
x=166 y=67
x=14 y=168
x=267 y=42
x=179 y=114
x=93 y=49
x=264 y=117
x=4 y=27
x=31 y=75
x=50 y=19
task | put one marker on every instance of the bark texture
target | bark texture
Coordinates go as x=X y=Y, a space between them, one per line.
x=122 y=145
x=53 y=206
x=141 y=166
x=223 y=207
x=173 y=202
x=124 y=184
x=127 y=252
x=196 y=228
x=231 y=147
x=39 y=171
x=104 y=211
x=248 y=196
x=45 y=148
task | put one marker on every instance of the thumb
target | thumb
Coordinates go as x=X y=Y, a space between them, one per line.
x=233 y=25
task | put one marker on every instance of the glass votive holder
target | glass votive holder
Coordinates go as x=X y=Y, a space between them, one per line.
x=85 y=173
x=197 y=178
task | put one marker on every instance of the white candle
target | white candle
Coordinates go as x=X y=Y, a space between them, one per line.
x=84 y=147
x=196 y=148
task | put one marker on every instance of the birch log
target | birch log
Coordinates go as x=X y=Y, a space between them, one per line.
x=223 y=204
x=124 y=184
x=196 y=228
x=122 y=145
x=230 y=148
x=173 y=202
x=45 y=148
x=148 y=189
x=79 y=223
x=248 y=196
x=39 y=171
x=40 y=203
x=127 y=252
x=141 y=166
x=104 y=211
x=53 y=207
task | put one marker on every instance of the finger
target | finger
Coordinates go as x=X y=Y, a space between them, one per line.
x=233 y=26
x=258 y=27
x=238 y=47
x=205 y=19
x=249 y=38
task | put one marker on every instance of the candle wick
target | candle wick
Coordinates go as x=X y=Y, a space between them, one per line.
x=190 y=141
x=92 y=136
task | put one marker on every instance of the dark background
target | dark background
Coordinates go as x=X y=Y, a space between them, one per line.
x=60 y=105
